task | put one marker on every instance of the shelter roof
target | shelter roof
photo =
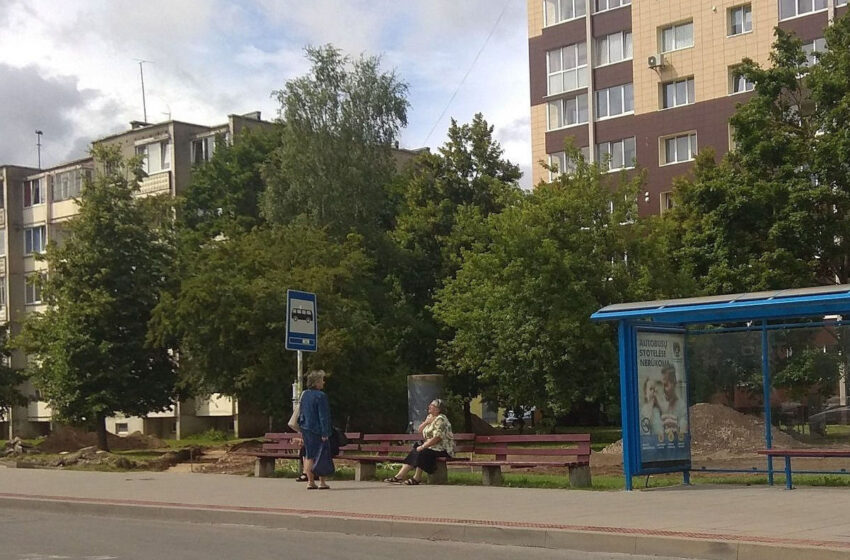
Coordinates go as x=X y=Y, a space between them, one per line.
x=752 y=306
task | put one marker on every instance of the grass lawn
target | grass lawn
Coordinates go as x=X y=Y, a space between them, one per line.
x=600 y=482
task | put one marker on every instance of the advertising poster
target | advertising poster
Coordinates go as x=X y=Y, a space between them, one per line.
x=662 y=399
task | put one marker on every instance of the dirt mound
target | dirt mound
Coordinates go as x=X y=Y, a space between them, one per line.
x=66 y=438
x=716 y=428
x=482 y=428
x=719 y=430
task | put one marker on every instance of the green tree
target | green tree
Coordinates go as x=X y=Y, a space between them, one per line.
x=775 y=213
x=519 y=306
x=87 y=350
x=228 y=318
x=10 y=379
x=224 y=196
x=444 y=201
x=341 y=121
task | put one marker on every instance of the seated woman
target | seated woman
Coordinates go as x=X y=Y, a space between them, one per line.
x=439 y=442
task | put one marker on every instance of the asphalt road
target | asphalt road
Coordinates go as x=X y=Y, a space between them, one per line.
x=29 y=535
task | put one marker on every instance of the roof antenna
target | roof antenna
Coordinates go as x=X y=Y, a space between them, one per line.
x=38 y=134
x=142 y=76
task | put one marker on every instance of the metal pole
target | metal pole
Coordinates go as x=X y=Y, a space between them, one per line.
x=300 y=380
x=38 y=134
x=144 y=105
x=765 y=372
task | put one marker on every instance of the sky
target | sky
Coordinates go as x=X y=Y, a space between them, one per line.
x=71 y=70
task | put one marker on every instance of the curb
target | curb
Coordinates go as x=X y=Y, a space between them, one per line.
x=703 y=546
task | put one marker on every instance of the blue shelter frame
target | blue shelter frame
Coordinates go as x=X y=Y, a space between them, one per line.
x=757 y=309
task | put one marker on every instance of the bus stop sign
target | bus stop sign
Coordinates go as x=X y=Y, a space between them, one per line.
x=301 y=321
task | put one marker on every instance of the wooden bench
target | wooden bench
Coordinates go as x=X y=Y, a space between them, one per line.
x=281 y=446
x=385 y=448
x=506 y=451
x=788 y=453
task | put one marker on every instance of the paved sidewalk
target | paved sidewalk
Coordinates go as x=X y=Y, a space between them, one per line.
x=717 y=522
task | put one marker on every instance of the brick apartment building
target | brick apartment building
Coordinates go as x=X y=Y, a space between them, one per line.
x=650 y=82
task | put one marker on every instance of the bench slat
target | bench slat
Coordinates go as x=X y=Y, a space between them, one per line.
x=805 y=452
x=534 y=438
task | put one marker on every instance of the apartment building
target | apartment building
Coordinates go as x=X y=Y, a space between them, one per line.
x=35 y=204
x=648 y=83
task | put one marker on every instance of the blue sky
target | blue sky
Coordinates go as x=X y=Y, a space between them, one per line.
x=70 y=68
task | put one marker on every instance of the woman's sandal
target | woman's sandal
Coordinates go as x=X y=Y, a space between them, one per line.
x=393 y=480
x=312 y=487
x=412 y=482
x=301 y=478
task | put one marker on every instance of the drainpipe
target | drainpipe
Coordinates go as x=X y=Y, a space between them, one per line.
x=591 y=112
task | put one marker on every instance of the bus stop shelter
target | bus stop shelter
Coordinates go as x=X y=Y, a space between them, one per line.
x=653 y=357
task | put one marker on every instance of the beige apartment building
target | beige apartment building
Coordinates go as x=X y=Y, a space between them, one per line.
x=35 y=204
x=648 y=83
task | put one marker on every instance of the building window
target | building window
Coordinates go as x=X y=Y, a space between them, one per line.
x=602 y=5
x=68 y=184
x=666 y=199
x=678 y=36
x=794 y=8
x=165 y=155
x=740 y=20
x=202 y=149
x=618 y=154
x=738 y=83
x=2 y=291
x=613 y=48
x=816 y=46
x=32 y=289
x=563 y=10
x=614 y=101
x=34 y=240
x=567 y=68
x=679 y=148
x=156 y=156
x=563 y=164
x=568 y=112
x=680 y=92
x=32 y=193
x=2 y=242
x=121 y=428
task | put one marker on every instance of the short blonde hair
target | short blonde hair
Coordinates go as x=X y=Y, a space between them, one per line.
x=314 y=377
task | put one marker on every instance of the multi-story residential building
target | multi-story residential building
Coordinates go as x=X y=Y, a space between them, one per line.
x=647 y=83
x=35 y=203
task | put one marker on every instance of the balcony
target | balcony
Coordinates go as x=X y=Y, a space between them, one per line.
x=159 y=183
x=215 y=405
x=38 y=411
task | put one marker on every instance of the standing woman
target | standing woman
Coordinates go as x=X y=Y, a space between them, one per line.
x=439 y=442
x=315 y=423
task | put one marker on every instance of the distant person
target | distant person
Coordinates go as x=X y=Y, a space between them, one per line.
x=439 y=442
x=650 y=411
x=674 y=409
x=314 y=421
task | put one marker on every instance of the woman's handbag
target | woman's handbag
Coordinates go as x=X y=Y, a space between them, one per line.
x=293 y=420
x=337 y=440
x=323 y=465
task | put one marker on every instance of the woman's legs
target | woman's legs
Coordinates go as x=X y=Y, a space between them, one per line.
x=308 y=469
x=417 y=476
x=403 y=471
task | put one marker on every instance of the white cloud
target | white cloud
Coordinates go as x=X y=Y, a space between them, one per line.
x=210 y=58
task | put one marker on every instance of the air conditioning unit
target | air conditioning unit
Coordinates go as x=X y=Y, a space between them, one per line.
x=655 y=61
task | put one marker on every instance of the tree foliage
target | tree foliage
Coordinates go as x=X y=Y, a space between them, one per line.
x=10 y=379
x=444 y=200
x=775 y=213
x=87 y=349
x=340 y=123
x=229 y=318
x=520 y=304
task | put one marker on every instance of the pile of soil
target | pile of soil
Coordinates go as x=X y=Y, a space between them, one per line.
x=720 y=431
x=66 y=438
